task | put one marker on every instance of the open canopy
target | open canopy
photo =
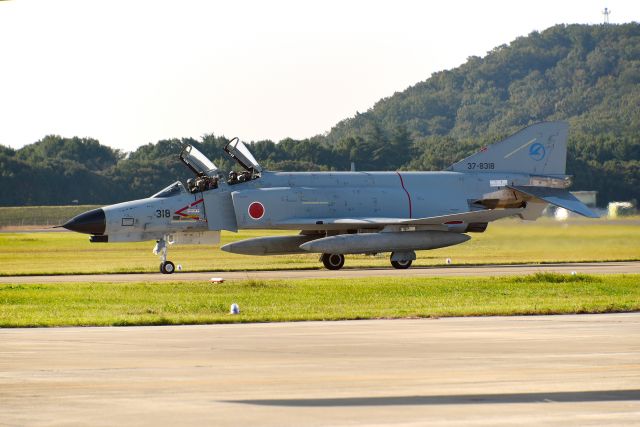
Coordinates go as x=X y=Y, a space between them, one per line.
x=197 y=162
x=238 y=151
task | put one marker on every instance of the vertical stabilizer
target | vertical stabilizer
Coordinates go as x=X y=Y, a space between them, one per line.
x=539 y=149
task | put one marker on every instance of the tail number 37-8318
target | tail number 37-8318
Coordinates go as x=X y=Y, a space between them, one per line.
x=484 y=166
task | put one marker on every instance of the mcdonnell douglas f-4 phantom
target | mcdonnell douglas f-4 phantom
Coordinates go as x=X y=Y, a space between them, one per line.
x=340 y=213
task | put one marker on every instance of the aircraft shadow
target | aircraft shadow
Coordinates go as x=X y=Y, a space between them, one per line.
x=463 y=399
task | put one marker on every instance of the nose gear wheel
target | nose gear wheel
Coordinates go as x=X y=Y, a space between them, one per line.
x=167 y=267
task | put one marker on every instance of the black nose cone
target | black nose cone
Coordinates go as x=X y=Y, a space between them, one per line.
x=90 y=222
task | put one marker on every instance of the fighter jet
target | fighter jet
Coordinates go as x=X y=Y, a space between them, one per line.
x=338 y=213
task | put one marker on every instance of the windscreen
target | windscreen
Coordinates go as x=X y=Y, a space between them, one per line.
x=170 y=191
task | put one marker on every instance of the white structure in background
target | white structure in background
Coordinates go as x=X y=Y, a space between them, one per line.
x=616 y=209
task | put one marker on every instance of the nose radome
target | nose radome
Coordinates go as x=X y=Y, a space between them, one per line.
x=90 y=222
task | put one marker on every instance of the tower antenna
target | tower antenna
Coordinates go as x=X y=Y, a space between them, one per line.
x=606 y=12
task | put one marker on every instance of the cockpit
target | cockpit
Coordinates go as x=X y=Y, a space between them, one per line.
x=207 y=174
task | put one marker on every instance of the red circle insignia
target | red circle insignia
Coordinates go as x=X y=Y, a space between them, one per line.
x=256 y=210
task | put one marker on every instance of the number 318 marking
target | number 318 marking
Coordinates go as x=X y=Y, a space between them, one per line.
x=166 y=213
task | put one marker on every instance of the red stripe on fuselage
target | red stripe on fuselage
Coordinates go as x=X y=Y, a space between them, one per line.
x=408 y=195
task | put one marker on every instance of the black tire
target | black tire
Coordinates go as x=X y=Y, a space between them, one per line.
x=333 y=261
x=401 y=265
x=167 y=267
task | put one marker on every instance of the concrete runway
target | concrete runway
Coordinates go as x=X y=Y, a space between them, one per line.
x=535 y=370
x=627 y=267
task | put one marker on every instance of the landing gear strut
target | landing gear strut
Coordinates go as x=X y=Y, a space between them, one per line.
x=166 y=267
x=332 y=261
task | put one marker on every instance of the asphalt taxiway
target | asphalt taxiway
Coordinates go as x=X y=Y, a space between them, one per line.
x=563 y=370
x=628 y=267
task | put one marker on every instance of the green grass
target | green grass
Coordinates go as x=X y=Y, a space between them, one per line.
x=103 y=304
x=40 y=215
x=504 y=242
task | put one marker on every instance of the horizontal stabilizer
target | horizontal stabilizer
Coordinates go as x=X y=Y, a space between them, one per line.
x=558 y=197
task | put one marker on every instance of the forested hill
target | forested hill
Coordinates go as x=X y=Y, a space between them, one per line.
x=588 y=75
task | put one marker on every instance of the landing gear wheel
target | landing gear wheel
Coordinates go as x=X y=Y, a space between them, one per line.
x=401 y=265
x=167 y=267
x=333 y=261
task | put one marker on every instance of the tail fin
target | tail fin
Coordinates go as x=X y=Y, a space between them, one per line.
x=540 y=149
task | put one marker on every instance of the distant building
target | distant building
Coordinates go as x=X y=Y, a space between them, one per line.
x=616 y=209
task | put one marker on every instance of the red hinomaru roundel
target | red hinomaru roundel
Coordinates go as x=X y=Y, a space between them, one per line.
x=256 y=210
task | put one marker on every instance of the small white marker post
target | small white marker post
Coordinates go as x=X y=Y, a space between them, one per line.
x=448 y=261
x=234 y=309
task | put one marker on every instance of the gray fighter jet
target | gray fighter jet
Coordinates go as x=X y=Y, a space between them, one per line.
x=340 y=213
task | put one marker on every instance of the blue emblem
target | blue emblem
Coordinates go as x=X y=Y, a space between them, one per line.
x=537 y=151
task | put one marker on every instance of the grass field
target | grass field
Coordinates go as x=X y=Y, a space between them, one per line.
x=505 y=241
x=103 y=304
x=40 y=215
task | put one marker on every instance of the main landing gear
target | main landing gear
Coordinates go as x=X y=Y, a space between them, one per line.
x=166 y=267
x=401 y=265
x=332 y=261
x=399 y=260
x=402 y=260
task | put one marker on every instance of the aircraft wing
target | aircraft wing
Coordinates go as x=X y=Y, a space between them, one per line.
x=479 y=216
x=556 y=196
x=487 y=215
x=364 y=221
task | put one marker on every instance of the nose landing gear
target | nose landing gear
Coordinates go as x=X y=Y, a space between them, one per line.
x=166 y=267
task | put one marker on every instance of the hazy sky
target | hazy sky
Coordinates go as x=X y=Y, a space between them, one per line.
x=132 y=72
